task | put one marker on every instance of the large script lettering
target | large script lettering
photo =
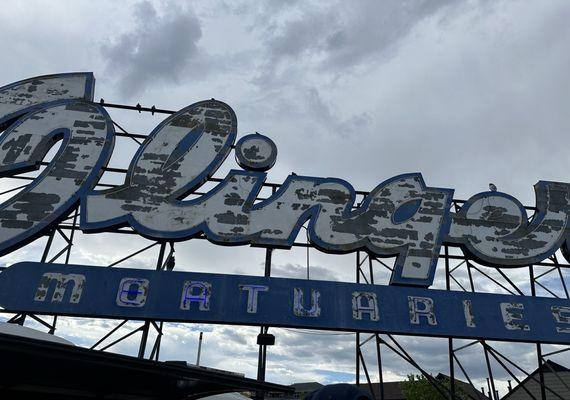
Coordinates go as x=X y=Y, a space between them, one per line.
x=400 y=217
x=495 y=229
x=50 y=108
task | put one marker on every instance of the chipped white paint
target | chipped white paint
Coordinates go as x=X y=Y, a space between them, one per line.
x=401 y=217
x=494 y=227
x=512 y=316
x=86 y=144
x=365 y=303
x=62 y=284
x=256 y=152
x=468 y=312
x=299 y=309
x=132 y=292
x=23 y=95
x=252 y=296
x=421 y=307
x=561 y=315
x=172 y=162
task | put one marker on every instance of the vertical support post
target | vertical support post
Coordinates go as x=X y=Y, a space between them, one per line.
x=158 y=342
x=146 y=327
x=493 y=391
x=199 y=349
x=357 y=358
x=538 y=347
x=449 y=340
x=308 y=259
x=262 y=355
x=53 y=324
x=357 y=350
x=154 y=354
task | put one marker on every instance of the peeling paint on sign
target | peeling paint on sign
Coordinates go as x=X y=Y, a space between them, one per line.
x=513 y=315
x=421 y=307
x=401 y=217
x=298 y=303
x=132 y=292
x=196 y=292
x=50 y=110
x=62 y=284
x=365 y=303
x=253 y=295
x=562 y=316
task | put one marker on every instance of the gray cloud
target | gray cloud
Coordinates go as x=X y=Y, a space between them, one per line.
x=300 y=272
x=338 y=35
x=158 y=48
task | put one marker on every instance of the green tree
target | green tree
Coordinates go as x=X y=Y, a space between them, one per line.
x=418 y=387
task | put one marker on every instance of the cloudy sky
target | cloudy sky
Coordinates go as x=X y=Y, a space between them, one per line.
x=465 y=92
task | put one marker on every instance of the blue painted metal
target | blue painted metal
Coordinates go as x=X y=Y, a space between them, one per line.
x=221 y=299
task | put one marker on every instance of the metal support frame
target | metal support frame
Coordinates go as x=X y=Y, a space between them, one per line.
x=502 y=282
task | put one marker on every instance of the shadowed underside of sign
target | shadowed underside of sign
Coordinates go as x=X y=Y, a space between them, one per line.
x=248 y=300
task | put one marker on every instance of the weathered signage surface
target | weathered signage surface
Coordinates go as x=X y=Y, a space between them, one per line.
x=402 y=216
x=128 y=293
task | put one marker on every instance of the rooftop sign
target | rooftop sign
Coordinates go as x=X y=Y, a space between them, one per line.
x=402 y=216
x=129 y=293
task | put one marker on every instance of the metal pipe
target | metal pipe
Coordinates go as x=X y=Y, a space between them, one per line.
x=538 y=348
x=199 y=349
x=449 y=340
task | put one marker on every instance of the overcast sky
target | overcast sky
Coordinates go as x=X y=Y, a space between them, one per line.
x=465 y=92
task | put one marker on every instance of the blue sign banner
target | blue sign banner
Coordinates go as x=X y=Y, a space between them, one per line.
x=87 y=291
